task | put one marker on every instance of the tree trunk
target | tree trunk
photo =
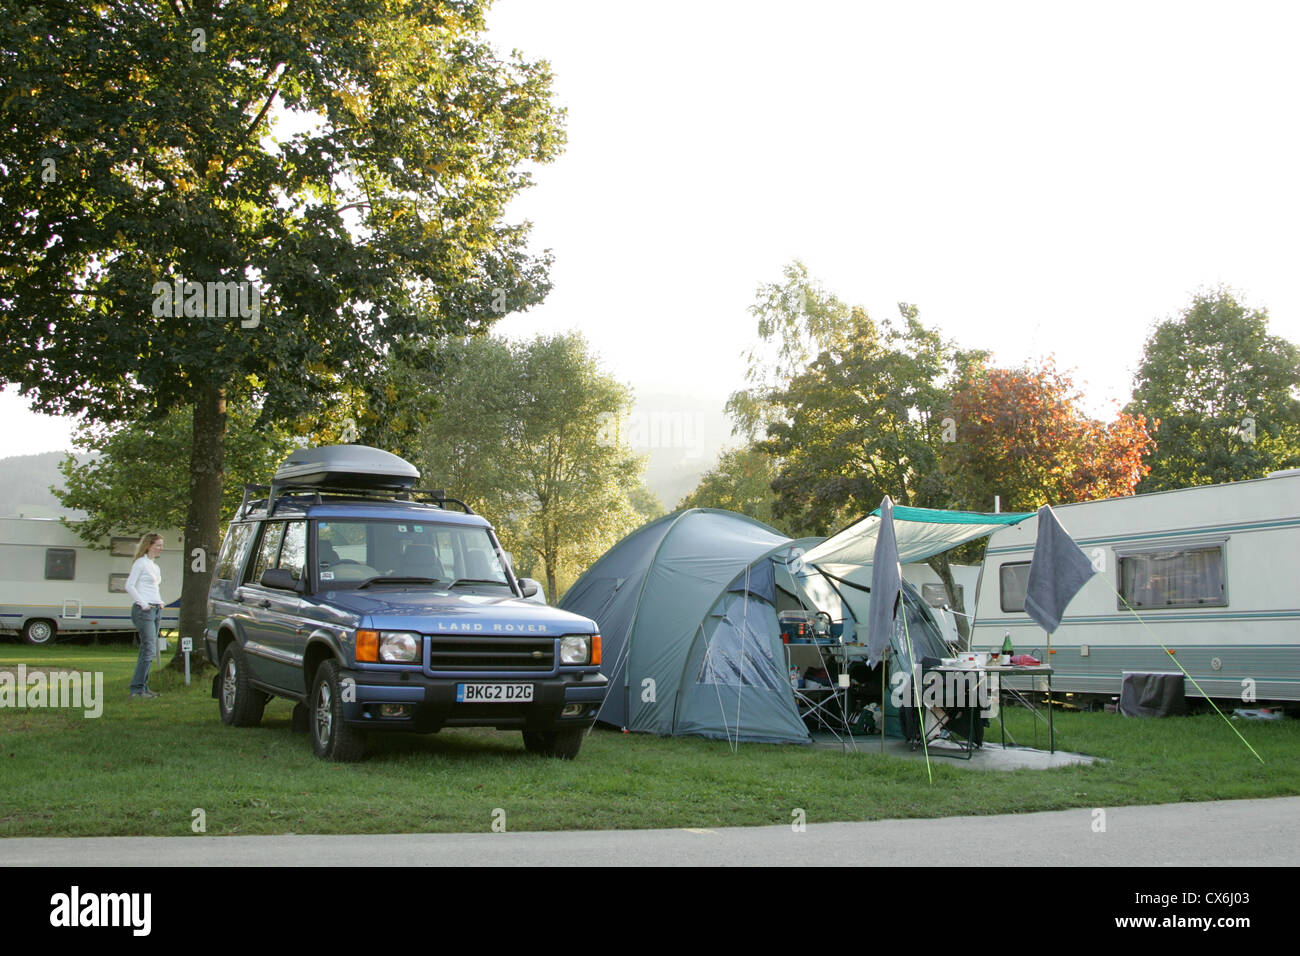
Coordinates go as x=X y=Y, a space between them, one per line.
x=202 y=522
x=551 y=560
x=939 y=563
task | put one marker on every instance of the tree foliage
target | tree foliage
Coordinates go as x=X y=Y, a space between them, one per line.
x=1020 y=434
x=343 y=165
x=133 y=477
x=853 y=409
x=740 y=481
x=864 y=420
x=1226 y=393
x=796 y=320
x=523 y=435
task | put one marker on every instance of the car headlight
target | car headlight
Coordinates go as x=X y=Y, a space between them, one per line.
x=574 y=649
x=399 y=646
x=390 y=647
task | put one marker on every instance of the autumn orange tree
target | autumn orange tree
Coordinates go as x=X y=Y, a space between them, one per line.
x=1020 y=434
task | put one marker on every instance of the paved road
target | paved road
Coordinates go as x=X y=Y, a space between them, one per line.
x=1227 y=833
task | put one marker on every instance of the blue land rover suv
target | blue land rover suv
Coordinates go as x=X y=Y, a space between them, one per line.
x=378 y=607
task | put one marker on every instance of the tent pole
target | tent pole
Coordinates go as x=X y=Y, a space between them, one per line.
x=884 y=658
x=1051 y=731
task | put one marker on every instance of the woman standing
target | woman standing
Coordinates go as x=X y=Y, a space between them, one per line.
x=144 y=584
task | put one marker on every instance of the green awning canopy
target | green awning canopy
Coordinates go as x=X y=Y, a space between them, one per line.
x=921 y=533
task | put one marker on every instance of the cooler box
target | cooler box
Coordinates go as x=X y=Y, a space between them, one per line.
x=796 y=627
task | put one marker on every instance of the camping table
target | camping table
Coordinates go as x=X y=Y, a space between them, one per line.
x=1012 y=670
x=1015 y=670
x=967 y=748
x=817 y=701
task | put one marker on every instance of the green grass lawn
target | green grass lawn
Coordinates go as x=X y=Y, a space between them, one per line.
x=145 y=766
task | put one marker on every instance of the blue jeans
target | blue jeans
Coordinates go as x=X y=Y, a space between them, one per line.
x=146 y=623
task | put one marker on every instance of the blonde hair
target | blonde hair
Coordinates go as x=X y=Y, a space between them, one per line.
x=146 y=543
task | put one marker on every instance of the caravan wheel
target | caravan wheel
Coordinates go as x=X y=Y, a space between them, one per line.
x=39 y=632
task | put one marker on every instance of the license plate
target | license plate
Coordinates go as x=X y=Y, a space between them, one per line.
x=494 y=693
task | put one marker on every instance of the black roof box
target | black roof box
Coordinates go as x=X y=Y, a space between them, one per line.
x=344 y=466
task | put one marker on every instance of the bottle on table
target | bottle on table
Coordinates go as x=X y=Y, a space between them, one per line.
x=1007 y=649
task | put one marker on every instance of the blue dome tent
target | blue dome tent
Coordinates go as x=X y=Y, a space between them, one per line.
x=687 y=606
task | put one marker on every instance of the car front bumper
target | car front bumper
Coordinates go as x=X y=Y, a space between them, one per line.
x=432 y=703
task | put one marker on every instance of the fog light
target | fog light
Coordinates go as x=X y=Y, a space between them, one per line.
x=394 y=710
x=571 y=710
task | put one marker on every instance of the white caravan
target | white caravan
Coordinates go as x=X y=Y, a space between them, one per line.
x=1213 y=573
x=52 y=582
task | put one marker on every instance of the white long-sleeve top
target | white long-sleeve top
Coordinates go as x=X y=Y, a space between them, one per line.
x=144 y=583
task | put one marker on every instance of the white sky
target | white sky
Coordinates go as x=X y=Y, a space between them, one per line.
x=1037 y=177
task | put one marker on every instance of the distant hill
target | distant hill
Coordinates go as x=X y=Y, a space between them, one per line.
x=25 y=482
x=682 y=435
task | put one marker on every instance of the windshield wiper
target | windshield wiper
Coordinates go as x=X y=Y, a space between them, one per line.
x=381 y=579
x=476 y=581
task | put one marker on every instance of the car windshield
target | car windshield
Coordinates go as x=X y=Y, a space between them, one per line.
x=354 y=552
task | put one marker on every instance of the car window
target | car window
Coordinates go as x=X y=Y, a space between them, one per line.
x=232 y=553
x=293 y=553
x=272 y=535
x=349 y=551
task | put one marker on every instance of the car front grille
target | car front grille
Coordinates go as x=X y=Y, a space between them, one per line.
x=491 y=653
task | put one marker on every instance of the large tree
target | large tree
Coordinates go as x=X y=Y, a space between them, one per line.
x=528 y=434
x=853 y=409
x=1225 y=391
x=258 y=201
x=796 y=320
x=864 y=420
x=1021 y=434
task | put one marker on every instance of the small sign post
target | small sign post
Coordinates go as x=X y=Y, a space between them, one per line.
x=187 y=645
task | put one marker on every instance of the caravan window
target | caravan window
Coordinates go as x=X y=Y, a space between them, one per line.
x=122 y=547
x=1013 y=581
x=936 y=595
x=60 y=564
x=1173 y=577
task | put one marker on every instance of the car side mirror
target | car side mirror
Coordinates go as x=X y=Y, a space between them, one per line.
x=278 y=578
x=530 y=587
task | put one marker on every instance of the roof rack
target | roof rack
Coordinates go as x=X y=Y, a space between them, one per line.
x=255 y=495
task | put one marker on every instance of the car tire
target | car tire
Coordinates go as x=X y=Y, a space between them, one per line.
x=240 y=704
x=331 y=738
x=563 y=744
x=39 y=632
